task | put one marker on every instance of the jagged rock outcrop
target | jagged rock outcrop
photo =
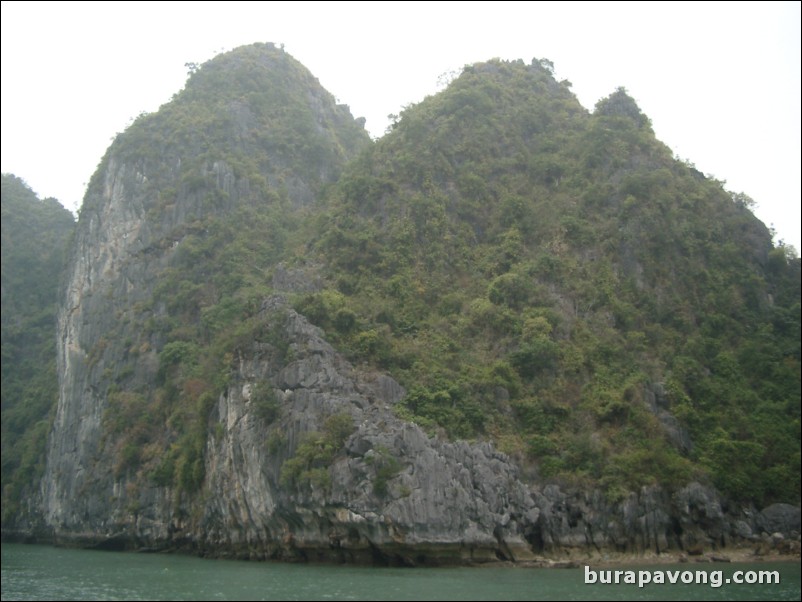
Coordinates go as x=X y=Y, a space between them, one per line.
x=395 y=494
x=650 y=520
x=779 y=518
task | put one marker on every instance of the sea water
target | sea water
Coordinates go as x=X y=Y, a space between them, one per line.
x=45 y=573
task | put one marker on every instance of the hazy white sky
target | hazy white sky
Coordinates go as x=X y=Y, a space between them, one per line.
x=720 y=80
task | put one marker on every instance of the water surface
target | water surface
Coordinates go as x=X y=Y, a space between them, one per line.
x=46 y=573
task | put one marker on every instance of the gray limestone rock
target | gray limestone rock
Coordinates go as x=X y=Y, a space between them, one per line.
x=779 y=518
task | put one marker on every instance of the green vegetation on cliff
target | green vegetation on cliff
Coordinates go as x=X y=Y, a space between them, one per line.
x=540 y=276
x=557 y=281
x=34 y=236
x=227 y=174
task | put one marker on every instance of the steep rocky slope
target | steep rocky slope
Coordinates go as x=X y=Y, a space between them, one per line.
x=150 y=449
x=278 y=340
x=211 y=162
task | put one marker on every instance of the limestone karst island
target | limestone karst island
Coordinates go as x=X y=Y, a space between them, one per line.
x=509 y=329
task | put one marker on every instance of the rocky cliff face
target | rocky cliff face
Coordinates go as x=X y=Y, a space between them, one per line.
x=386 y=491
x=391 y=494
x=158 y=185
x=272 y=445
x=101 y=273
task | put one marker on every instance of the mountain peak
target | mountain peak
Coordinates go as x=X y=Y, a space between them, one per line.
x=254 y=111
x=248 y=69
x=621 y=104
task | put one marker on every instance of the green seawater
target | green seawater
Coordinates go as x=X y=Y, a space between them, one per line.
x=46 y=573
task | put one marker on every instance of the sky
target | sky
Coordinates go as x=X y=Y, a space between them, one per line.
x=719 y=80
